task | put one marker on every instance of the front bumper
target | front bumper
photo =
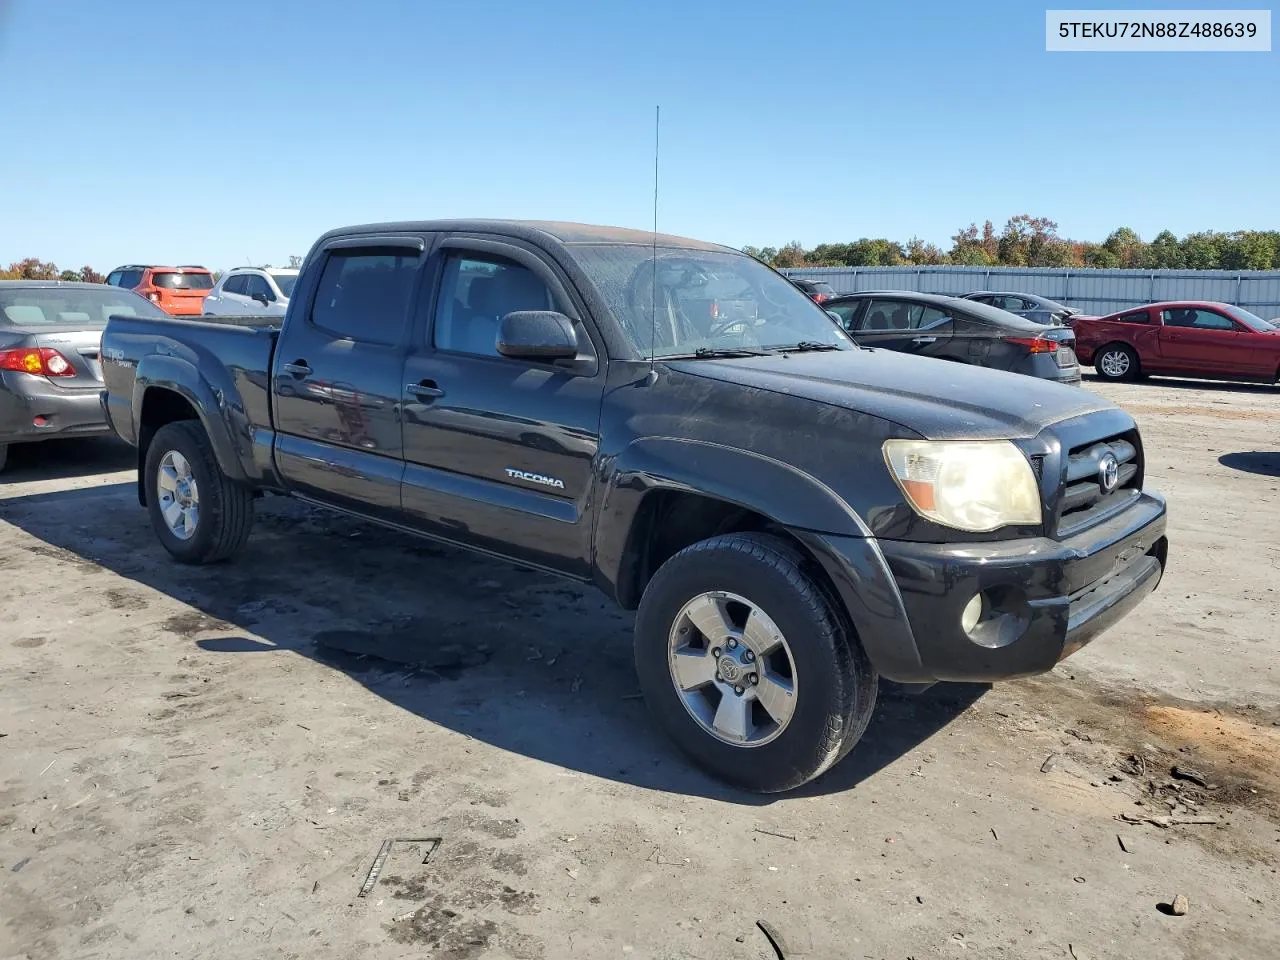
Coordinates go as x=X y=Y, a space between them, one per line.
x=1043 y=599
x=66 y=413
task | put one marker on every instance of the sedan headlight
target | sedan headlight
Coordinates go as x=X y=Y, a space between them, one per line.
x=970 y=485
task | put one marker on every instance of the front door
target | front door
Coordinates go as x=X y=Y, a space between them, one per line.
x=1203 y=341
x=338 y=375
x=499 y=451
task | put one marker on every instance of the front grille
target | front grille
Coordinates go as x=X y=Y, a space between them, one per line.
x=1085 y=500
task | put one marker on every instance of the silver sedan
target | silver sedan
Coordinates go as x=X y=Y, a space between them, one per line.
x=50 y=369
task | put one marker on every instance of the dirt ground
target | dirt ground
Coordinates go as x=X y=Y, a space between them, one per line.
x=207 y=762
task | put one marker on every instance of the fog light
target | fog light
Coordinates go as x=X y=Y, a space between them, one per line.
x=972 y=614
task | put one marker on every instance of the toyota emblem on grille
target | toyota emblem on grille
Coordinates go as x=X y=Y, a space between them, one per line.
x=1108 y=472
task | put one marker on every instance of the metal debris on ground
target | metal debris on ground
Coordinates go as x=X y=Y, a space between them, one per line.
x=1078 y=735
x=771 y=833
x=1169 y=821
x=385 y=850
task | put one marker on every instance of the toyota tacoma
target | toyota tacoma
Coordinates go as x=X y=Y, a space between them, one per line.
x=793 y=516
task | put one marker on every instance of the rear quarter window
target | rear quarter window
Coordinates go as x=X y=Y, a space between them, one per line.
x=364 y=294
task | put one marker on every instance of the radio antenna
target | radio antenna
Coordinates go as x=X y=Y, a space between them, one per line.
x=653 y=298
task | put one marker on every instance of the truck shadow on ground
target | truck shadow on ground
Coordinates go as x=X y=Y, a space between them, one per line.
x=1264 y=462
x=503 y=654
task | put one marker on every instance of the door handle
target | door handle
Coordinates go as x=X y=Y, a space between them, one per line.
x=924 y=340
x=298 y=368
x=425 y=390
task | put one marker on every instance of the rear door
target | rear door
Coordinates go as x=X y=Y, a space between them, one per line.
x=904 y=326
x=499 y=450
x=1205 y=341
x=339 y=369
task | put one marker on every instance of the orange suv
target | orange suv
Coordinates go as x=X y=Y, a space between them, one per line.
x=178 y=291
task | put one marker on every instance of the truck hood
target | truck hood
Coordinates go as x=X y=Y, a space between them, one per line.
x=937 y=399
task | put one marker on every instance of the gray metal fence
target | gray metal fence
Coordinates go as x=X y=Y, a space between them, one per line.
x=1095 y=292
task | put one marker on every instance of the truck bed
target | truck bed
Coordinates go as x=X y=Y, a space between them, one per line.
x=224 y=362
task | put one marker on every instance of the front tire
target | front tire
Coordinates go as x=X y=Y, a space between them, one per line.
x=1116 y=361
x=198 y=512
x=748 y=666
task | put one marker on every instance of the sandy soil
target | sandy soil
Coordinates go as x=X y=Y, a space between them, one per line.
x=207 y=762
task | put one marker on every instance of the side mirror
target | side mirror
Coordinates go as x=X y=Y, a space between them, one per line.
x=836 y=317
x=261 y=298
x=537 y=335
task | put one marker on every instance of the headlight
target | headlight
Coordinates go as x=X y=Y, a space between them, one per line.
x=970 y=485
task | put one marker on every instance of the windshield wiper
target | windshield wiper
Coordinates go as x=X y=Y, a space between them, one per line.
x=717 y=353
x=806 y=346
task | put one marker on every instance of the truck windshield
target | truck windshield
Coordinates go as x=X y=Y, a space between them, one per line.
x=1250 y=320
x=703 y=299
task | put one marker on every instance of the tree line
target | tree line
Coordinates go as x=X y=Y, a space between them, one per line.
x=33 y=268
x=1028 y=241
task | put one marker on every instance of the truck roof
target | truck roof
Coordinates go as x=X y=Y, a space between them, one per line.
x=532 y=230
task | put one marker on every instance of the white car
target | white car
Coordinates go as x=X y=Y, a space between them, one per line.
x=251 y=292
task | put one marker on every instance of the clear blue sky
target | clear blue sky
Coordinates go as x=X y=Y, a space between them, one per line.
x=214 y=132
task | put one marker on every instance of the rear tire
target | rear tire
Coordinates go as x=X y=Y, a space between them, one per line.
x=1116 y=361
x=198 y=512
x=752 y=592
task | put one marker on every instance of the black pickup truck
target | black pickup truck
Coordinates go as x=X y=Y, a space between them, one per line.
x=792 y=515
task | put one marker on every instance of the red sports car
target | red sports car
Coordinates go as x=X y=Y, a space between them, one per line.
x=1187 y=338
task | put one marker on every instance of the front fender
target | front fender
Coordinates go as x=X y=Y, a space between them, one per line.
x=769 y=487
x=216 y=405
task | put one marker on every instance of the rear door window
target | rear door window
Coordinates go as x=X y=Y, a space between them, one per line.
x=235 y=284
x=364 y=293
x=891 y=315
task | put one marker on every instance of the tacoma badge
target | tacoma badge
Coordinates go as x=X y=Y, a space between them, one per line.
x=535 y=478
